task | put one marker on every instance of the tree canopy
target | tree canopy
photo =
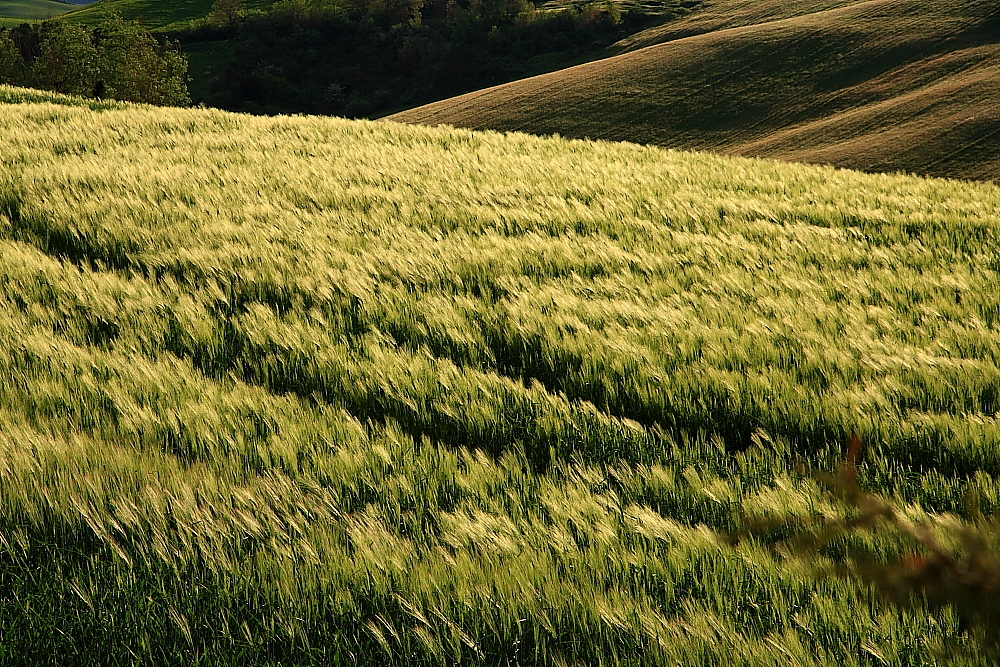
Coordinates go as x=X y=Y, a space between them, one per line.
x=119 y=59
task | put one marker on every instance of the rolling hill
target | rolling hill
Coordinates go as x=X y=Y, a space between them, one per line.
x=15 y=12
x=880 y=85
x=156 y=15
x=310 y=391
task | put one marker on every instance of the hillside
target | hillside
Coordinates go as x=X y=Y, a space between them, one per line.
x=722 y=14
x=157 y=15
x=15 y=12
x=302 y=390
x=881 y=85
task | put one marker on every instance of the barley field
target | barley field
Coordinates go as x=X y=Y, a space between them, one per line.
x=308 y=391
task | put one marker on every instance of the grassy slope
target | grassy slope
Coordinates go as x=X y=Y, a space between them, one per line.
x=153 y=13
x=881 y=85
x=32 y=10
x=156 y=14
x=310 y=391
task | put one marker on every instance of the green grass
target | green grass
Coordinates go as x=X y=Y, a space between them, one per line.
x=31 y=10
x=153 y=13
x=156 y=15
x=299 y=390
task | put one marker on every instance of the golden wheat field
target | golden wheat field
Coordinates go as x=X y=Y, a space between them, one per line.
x=302 y=390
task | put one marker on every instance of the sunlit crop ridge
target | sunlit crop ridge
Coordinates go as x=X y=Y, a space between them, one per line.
x=296 y=390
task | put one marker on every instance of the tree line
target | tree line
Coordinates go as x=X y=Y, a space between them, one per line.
x=118 y=60
x=354 y=58
x=365 y=58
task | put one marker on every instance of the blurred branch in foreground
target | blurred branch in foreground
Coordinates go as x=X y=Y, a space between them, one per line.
x=948 y=561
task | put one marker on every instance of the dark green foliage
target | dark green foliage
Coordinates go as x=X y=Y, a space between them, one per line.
x=226 y=13
x=10 y=60
x=369 y=57
x=69 y=62
x=134 y=67
x=119 y=60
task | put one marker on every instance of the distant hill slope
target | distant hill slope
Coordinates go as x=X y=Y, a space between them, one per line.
x=721 y=14
x=13 y=12
x=156 y=14
x=882 y=85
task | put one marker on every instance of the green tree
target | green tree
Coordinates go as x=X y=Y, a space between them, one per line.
x=385 y=12
x=498 y=12
x=227 y=13
x=68 y=62
x=135 y=68
x=10 y=59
